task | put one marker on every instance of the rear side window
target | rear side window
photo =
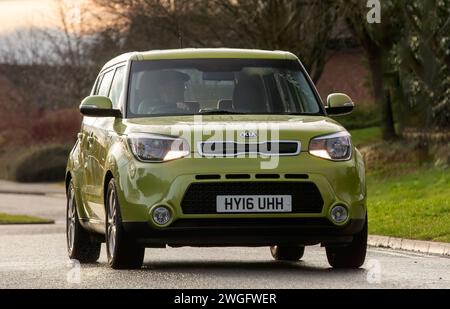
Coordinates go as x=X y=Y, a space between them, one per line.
x=117 y=86
x=105 y=83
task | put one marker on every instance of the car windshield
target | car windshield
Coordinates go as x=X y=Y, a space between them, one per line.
x=219 y=86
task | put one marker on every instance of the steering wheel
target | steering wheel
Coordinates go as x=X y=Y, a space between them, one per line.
x=148 y=107
x=165 y=109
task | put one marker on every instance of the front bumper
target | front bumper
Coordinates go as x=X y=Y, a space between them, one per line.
x=143 y=186
x=245 y=232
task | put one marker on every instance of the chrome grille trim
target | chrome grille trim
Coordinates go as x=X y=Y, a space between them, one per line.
x=244 y=148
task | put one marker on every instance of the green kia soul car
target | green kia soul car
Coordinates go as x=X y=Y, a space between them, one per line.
x=213 y=147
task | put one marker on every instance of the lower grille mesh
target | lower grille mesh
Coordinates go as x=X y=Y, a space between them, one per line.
x=200 y=198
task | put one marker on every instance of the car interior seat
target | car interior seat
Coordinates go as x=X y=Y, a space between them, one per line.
x=249 y=94
x=226 y=105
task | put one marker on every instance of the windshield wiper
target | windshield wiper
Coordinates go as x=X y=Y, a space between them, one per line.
x=302 y=114
x=218 y=112
x=228 y=112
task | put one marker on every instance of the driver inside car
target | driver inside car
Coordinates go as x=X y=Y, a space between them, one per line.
x=163 y=92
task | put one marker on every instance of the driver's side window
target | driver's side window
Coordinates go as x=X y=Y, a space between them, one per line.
x=105 y=83
x=117 y=86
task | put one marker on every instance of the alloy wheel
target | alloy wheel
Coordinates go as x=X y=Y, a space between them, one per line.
x=71 y=219
x=112 y=228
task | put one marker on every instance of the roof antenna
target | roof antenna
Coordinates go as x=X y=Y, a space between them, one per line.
x=180 y=38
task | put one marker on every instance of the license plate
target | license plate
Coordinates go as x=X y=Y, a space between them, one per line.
x=254 y=203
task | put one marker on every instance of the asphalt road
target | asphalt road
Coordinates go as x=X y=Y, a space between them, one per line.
x=34 y=256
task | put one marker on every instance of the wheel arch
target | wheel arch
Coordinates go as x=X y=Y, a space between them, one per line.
x=108 y=176
x=71 y=177
x=68 y=179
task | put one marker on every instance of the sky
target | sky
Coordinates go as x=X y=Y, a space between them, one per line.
x=17 y=14
x=17 y=17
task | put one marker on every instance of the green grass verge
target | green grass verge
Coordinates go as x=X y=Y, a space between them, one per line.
x=414 y=205
x=361 y=137
x=20 y=219
x=362 y=116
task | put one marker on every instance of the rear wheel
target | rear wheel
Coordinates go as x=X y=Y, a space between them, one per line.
x=351 y=256
x=287 y=253
x=122 y=251
x=81 y=245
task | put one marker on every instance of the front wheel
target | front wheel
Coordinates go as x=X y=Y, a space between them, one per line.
x=352 y=255
x=81 y=245
x=122 y=251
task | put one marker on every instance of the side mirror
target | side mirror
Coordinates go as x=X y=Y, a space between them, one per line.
x=98 y=106
x=339 y=104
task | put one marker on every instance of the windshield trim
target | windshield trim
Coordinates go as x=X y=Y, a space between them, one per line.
x=242 y=114
x=177 y=63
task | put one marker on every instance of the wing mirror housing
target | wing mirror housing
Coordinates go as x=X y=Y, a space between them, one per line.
x=98 y=106
x=339 y=104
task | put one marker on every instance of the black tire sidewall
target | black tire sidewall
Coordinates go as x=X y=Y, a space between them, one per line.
x=127 y=254
x=85 y=249
x=353 y=255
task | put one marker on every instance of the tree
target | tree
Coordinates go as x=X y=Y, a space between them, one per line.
x=302 y=27
x=271 y=24
x=50 y=65
x=377 y=40
x=155 y=24
x=423 y=59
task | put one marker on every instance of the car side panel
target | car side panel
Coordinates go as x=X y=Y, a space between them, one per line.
x=104 y=136
x=75 y=167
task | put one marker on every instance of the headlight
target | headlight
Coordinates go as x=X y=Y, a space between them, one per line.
x=156 y=148
x=337 y=146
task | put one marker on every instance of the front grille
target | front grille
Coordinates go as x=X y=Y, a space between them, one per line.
x=269 y=148
x=200 y=198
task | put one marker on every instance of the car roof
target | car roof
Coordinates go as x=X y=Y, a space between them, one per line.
x=202 y=53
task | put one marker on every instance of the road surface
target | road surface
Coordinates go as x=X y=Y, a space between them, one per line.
x=34 y=256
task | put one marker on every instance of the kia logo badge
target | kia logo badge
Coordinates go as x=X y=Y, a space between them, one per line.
x=248 y=134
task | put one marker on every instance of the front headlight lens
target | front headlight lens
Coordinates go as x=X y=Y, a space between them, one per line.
x=336 y=146
x=155 y=148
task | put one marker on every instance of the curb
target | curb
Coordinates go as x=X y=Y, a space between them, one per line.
x=35 y=193
x=421 y=246
x=22 y=192
x=10 y=187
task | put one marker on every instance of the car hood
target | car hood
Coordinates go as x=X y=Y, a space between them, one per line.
x=234 y=127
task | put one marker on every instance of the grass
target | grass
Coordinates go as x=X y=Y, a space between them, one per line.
x=362 y=116
x=21 y=219
x=361 y=137
x=415 y=205
x=405 y=199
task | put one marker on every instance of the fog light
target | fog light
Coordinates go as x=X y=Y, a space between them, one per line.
x=161 y=215
x=339 y=214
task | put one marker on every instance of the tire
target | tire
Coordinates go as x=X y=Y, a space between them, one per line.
x=122 y=251
x=351 y=256
x=81 y=245
x=287 y=253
